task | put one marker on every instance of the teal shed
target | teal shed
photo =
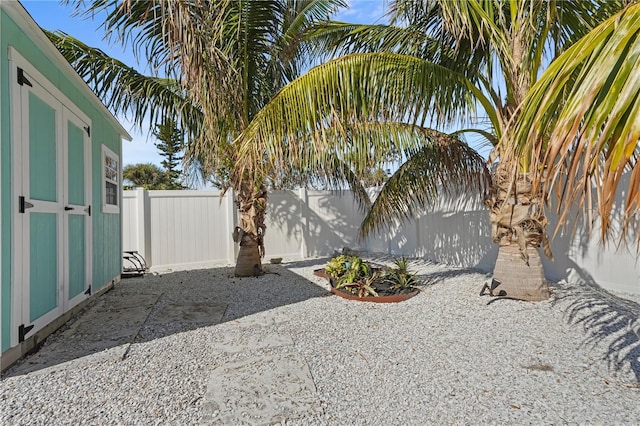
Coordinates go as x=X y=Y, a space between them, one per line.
x=60 y=182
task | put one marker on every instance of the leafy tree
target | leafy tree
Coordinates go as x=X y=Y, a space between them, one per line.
x=170 y=145
x=376 y=177
x=144 y=175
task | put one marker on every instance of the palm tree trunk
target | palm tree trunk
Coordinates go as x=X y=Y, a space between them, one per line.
x=517 y=279
x=248 y=263
x=518 y=227
x=252 y=205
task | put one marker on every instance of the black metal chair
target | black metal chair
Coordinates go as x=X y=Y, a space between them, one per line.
x=133 y=264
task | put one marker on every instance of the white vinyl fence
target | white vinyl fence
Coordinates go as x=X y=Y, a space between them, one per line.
x=192 y=229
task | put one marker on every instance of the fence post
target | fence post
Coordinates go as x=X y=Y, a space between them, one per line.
x=143 y=237
x=230 y=224
x=304 y=220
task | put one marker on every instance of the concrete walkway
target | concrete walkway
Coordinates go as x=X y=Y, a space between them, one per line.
x=265 y=381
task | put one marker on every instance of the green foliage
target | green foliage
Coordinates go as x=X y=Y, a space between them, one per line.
x=438 y=62
x=213 y=66
x=144 y=175
x=350 y=272
x=170 y=145
x=584 y=112
x=364 y=286
x=400 y=276
x=356 y=276
x=337 y=266
x=357 y=269
x=375 y=177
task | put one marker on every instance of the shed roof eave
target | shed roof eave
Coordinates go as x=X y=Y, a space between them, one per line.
x=19 y=14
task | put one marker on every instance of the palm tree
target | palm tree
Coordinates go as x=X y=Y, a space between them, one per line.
x=447 y=58
x=337 y=121
x=219 y=63
x=145 y=175
x=581 y=125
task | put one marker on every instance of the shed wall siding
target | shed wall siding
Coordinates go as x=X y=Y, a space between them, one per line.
x=106 y=227
x=7 y=30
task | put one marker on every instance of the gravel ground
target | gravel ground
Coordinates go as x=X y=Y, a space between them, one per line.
x=442 y=357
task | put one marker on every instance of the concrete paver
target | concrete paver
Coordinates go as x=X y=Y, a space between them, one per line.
x=261 y=389
x=270 y=383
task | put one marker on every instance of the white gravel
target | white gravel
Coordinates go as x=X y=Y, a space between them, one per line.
x=442 y=357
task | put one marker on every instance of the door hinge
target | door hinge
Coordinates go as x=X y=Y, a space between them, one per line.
x=23 y=204
x=88 y=210
x=88 y=130
x=22 y=332
x=22 y=79
x=88 y=292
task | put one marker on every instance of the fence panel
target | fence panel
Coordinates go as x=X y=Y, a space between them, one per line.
x=581 y=258
x=285 y=221
x=333 y=219
x=130 y=216
x=457 y=231
x=190 y=229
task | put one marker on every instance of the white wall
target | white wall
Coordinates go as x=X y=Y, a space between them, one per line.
x=190 y=229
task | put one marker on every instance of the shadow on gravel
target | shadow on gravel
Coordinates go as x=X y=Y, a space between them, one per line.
x=609 y=321
x=441 y=275
x=435 y=276
x=154 y=306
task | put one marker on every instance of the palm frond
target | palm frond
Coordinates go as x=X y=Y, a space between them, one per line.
x=580 y=122
x=354 y=89
x=302 y=18
x=442 y=167
x=341 y=38
x=126 y=91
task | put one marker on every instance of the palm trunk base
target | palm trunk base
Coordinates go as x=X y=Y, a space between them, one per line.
x=248 y=263
x=517 y=279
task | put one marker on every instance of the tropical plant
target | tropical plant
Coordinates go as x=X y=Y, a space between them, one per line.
x=363 y=286
x=356 y=269
x=580 y=123
x=355 y=276
x=144 y=175
x=435 y=65
x=400 y=277
x=337 y=266
x=219 y=63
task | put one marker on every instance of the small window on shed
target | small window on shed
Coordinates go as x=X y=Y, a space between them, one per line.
x=110 y=181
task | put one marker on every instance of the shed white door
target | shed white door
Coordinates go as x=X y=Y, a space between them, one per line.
x=52 y=188
x=77 y=209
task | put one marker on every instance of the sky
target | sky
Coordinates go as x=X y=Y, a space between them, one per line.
x=51 y=15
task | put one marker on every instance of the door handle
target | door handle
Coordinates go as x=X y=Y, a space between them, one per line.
x=23 y=204
x=67 y=208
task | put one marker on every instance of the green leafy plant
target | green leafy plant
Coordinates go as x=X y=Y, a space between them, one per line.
x=356 y=269
x=364 y=286
x=400 y=277
x=353 y=275
x=337 y=266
